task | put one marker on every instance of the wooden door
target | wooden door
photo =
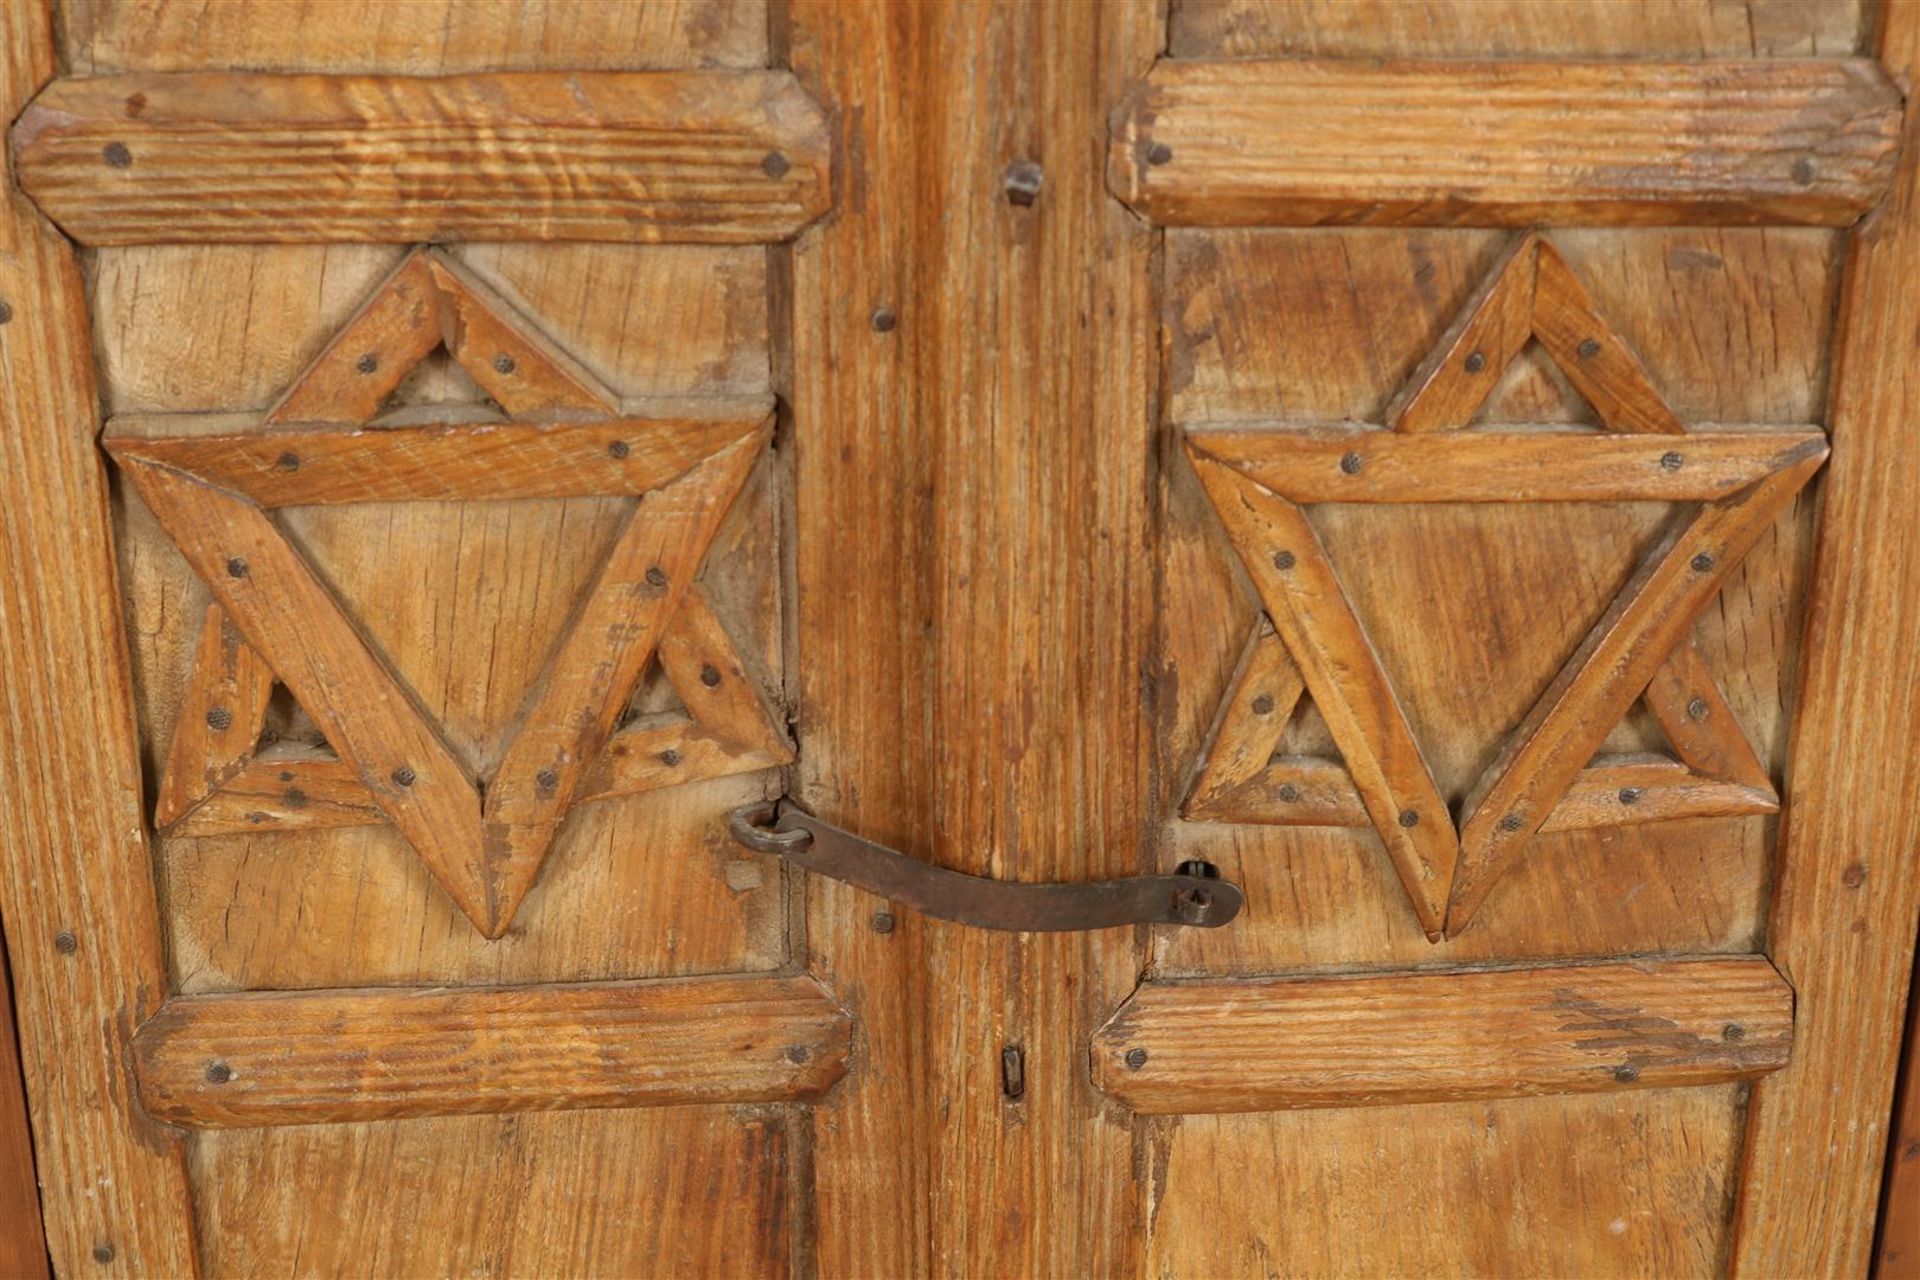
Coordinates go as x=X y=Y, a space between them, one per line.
x=1449 y=467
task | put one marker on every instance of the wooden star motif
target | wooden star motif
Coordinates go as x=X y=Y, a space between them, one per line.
x=212 y=482
x=1310 y=643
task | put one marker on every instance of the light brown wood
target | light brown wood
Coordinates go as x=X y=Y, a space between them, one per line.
x=1467 y=363
x=322 y=1057
x=221 y=717
x=1599 y=364
x=1300 y=142
x=1698 y=722
x=1305 y=464
x=23 y=1242
x=1618 y=790
x=1598 y=683
x=1897 y=1253
x=282 y=791
x=397 y=327
x=82 y=927
x=1394 y=1038
x=655 y=156
x=1310 y=611
x=1846 y=899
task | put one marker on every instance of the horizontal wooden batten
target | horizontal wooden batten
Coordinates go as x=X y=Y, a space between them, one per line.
x=1345 y=464
x=1274 y=1044
x=705 y=156
x=1307 y=142
x=312 y=1057
x=436 y=462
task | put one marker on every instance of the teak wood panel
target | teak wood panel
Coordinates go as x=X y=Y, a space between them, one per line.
x=713 y=157
x=1395 y=1038
x=1466 y=143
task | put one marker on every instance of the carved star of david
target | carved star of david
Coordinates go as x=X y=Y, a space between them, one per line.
x=273 y=618
x=1546 y=777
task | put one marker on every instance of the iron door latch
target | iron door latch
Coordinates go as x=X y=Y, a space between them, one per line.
x=1194 y=895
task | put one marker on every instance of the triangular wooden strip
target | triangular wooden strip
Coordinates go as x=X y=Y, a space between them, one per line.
x=289 y=615
x=1292 y=791
x=1289 y=568
x=394 y=330
x=503 y=351
x=606 y=648
x=1613 y=665
x=1699 y=724
x=670 y=751
x=707 y=670
x=1252 y=719
x=1627 y=792
x=1466 y=364
x=221 y=716
x=1595 y=359
x=280 y=794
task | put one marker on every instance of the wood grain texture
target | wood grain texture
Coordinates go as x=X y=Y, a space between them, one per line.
x=23 y=1241
x=650 y=156
x=221 y=718
x=325 y=1057
x=1848 y=894
x=1395 y=1038
x=1897 y=1255
x=1301 y=143
x=1304 y=464
x=1592 y=355
x=974 y=511
x=74 y=861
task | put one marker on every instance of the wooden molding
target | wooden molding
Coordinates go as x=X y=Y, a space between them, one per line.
x=1302 y=142
x=325 y=1057
x=1388 y=1038
x=725 y=157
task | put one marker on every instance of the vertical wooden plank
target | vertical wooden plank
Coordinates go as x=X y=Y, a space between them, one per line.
x=970 y=689
x=76 y=886
x=1899 y=1253
x=1848 y=888
x=23 y=1244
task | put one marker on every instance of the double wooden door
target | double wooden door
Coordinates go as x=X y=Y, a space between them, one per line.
x=1450 y=468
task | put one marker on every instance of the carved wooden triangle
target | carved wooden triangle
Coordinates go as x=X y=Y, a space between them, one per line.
x=1734 y=484
x=483 y=839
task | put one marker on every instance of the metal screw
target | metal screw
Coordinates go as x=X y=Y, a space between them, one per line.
x=236 y=568
x=884 y=320
x=775 y=165
x=1159 y=153
x=218 y=1073
x=1013 y=1071
x=368 y=363
x=103 y=1254
x=220 y=719
x=710 y=676
x=796 y=1053
x=1476 y=361
x=1703 y=562
x=1629 y=795
x=295 y=798
x=1698 y=709
x=1283 y=559
x=1193 y=906
x=1733 y=1031
x=656 y=577
x=1409 y=819
x=882 y=922
x=65 y=943
x=1288 y=793
x=1136 y=1059
x=1588 y=348
x=403 y=776
x=116 y=155
x=505 y=363
x=1512 y=822
x=619 y=449
x=1627 y=1074
x=1263 y=705
x=6 y=311
x=288 y=462
x=1854 y=876
x=670 y=757
x=546 y=779
x=1803 y=171
x=1351 y=463
x=1022 y=182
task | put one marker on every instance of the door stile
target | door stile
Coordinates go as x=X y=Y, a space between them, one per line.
x=974 y=374
x=76 y=882
x=1848 y=890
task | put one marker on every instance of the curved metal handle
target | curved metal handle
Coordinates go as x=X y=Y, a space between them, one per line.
x=1194 y=895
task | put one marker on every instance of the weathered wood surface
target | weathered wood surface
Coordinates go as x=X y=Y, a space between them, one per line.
x=712 y=157
x=76 y=885
x=1394 y=1038
x=1847 y=895
x=324 y=1057
x=1304 y=142
x=23 y=1241
x=1898 y=1254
